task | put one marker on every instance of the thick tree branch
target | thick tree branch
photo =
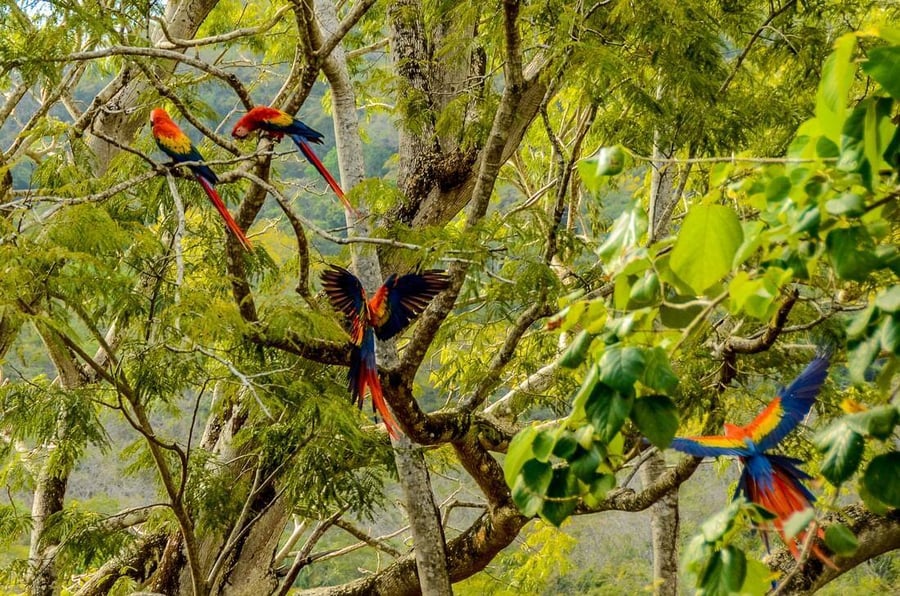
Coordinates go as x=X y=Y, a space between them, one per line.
x=876 y=535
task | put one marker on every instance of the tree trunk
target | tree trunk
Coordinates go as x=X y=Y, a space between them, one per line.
x=664 y=520
x=424 y=517
x=664 y=524
x=50 y=489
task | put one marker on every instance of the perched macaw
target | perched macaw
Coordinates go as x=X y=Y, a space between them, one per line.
x=178 y=146
x=276 y=124
x=772 y=481
x=389 y=311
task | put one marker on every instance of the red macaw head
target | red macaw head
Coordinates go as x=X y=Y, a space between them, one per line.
x=158 y=115
x=242 y=128
x=249 y=122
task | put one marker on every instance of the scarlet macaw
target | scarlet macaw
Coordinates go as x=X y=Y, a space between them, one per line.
x=772 y=481
x=276 y=124
x=178 y=146
x=389 y=311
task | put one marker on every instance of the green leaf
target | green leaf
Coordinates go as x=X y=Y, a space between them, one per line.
x=536 y=476
x=607 y=410
x=571 y=315
x=566 y=444
x=587 y=170
x=878 y=422
x=725 y=572
x=734 y=564
x=645 y=291
x=853 y=150
x=759 y=578
x=584 y=392
x=889 y=299
x=598 y=488
x=837 y=76
x=527 y=502
x=882 y=478
x=778 y=189
x=585 y=436
x=852 y=253
x=610 y=160
x=563 y=497
x=658 y=373
x=840 y=539
x=843 y=449
x=720 y=172
x=628 y=229
x=798 y=522
x=754 y=237
x=889 y=334
x=621 y=367
x=861 y=354
x=849 y=204
x=585 y=464
x=883 y=65
x=577 y=350
x=543 y=443
x=518 y=452
x=872 y=503
x=657 y=418
x=714 y=528
x=679 y=318
x=860 y=323
x=531 y=485
x=706 y=245
x=808 y=221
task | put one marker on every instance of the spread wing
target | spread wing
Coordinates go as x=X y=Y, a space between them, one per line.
x=786 y=411
x=710 y=446
x=401 y=299
x=346 y=294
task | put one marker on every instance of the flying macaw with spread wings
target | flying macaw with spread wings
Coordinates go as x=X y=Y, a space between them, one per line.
x=276 y=124
x=395 y=304
x=772 y=481
x=178 y=146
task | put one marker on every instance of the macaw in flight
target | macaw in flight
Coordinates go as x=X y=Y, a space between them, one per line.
x=770 y=480
x=178 y=146
x=395 y=304
x=276 y=124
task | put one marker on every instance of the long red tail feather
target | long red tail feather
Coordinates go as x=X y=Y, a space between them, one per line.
x=363 y=373
x=371 y=379
x=785 y=498
x=307 y=152
x=223 y=211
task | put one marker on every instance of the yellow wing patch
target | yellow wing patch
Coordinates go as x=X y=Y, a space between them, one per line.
x=177 y=142
x=766 y=421
x=282 y=119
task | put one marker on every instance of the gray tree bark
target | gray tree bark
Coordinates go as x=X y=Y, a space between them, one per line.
x=664 y=519
x=422 y=511
x=664 y=525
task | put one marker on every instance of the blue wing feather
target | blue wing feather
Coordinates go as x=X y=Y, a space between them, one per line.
x=407 y=297
x=306 y=133
x=345 y=292
x=796 y=401
x=711 y=446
